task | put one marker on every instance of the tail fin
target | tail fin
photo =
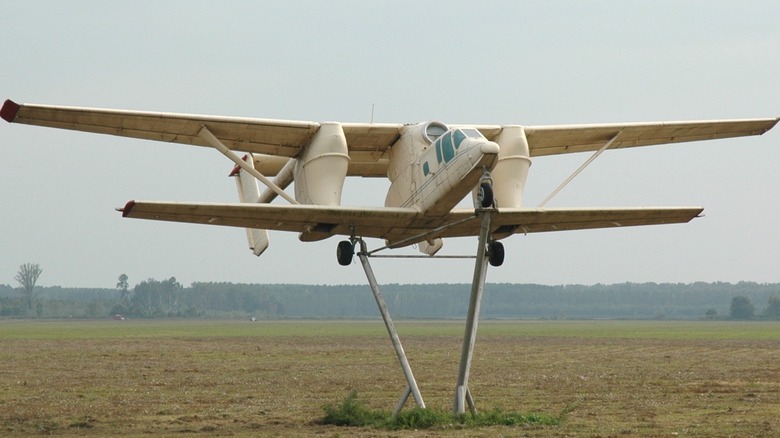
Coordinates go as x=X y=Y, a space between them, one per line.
x=248 y=191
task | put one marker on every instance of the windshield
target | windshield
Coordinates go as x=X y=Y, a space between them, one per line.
x=473 y=133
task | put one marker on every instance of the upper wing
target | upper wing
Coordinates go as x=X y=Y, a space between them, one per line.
x=367 y=142
x=550 y=140
x=397 y=224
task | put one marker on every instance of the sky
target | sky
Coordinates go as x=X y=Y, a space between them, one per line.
x=496 y=62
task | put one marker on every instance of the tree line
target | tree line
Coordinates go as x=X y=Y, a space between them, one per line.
x=168 y=298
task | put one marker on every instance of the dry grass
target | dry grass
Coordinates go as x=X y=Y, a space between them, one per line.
x=243 y=379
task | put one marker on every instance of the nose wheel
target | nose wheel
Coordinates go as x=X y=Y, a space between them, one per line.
x=485 y=195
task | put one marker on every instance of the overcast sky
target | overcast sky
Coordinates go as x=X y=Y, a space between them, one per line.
x=513 y=62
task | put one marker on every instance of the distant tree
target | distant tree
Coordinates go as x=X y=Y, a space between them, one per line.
x=124 y=290
x=711 y=313
x=171 y=296
x=741 y=308
x=772 y=310
x=27 y=277
x=156 y=298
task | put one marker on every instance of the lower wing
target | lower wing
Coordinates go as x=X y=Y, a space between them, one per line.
x=403 y=226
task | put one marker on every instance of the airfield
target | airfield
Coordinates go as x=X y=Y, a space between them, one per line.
x=239 y=378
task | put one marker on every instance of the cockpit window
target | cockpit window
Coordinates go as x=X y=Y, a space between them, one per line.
x=473 y=133
x=459 y=137
x=446 y=147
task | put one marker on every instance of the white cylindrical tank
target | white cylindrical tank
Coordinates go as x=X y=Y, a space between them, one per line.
x=322 y=168
x=511 y=172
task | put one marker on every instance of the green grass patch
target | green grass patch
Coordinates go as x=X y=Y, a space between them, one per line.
x=351 y=412
x=635 y=329
x=182 y=329
x=75 y=329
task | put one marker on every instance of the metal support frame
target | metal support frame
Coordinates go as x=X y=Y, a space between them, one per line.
x=462 y=393
x=411 y=387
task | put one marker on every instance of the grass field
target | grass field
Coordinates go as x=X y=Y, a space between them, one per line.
x=204 y=378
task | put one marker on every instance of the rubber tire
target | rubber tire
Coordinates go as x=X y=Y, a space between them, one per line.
x=496 y=254
x=485 y=195
x=344 y=252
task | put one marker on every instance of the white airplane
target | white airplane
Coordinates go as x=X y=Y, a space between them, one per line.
x=431 y=167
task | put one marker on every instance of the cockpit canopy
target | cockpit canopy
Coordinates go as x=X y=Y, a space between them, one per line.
x=449 y=142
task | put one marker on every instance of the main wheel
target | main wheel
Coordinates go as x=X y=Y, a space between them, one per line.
x=485 y=195
x=496 y=253
x=344 y=252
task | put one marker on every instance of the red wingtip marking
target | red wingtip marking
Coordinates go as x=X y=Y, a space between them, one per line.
x=9 y=110
x=126 y=210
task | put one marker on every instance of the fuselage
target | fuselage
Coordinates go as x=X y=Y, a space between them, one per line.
x=432 y=167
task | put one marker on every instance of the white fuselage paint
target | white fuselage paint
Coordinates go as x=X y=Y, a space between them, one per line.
x=433 y=176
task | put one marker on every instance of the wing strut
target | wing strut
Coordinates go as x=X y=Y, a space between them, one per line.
x=205 y=134
x=580 y=169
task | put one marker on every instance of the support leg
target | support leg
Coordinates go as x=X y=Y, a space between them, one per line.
x=462 y=393
x=399 y=349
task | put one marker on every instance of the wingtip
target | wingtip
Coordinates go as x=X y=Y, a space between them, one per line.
x=9 y=110
x=127 y=208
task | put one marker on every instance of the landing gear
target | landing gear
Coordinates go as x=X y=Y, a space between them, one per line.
x=496 y=253
x=344 y=252
x=485 y=195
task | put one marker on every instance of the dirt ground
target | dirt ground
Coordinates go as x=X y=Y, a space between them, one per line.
x=277 y=385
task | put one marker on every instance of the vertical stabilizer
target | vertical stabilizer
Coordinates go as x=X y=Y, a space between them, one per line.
x=248 y=191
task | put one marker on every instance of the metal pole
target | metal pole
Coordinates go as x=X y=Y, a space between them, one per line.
x=462 y=393
x=399 y=349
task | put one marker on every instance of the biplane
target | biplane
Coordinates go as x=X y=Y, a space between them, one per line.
x=431 y=166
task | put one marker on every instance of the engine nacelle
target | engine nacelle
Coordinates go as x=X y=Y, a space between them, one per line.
x=321 y=169
x=511 y=172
